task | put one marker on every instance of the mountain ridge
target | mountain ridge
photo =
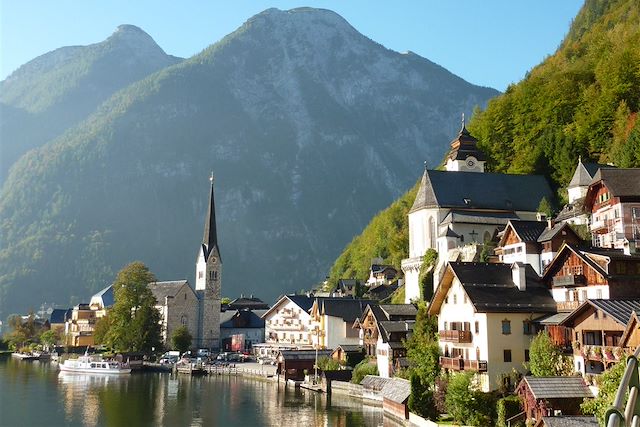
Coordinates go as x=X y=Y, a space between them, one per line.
x=282 y=134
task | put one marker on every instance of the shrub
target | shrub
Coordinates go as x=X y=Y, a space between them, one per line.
x=363 y=369
x=421 y=400
x=506 y=408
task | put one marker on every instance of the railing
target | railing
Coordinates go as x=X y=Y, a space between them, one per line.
x=621 y=413
x=567 y=305
x=569 y=280
x=459 y=364
x=455 y=336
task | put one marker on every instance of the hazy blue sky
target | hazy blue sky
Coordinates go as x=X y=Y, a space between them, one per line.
x=487 y=42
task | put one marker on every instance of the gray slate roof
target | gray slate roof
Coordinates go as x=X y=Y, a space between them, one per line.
x=304 y=354
x=491 y=289
x=107 y=296
x=584 y=174
x=620 y=182
x=568 y=421
x=397 y=390
x=347 y=309
x=398 y=310
x=528 y=231
x=619 y=309
x=462 y=217
x=60 y=315
x=161 y=290
x=468 y=146
x=374 y=382
x=349 y=348
x=550 y=233
x=557 y=387
x=492 y=191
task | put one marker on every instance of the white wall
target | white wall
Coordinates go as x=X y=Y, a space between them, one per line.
x=300 y=323
x=383 y=355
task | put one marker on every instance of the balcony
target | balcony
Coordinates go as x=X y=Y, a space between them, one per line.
x=567 y=305
x=456 y=336
x=459 y=364
x=569 y=280
x=599 y=225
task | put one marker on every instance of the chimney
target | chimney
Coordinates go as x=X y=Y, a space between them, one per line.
x=549 y=223
x=518 y=275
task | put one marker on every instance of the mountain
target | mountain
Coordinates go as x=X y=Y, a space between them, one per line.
x=49 y=94
x=582 y=100
x=310 y=128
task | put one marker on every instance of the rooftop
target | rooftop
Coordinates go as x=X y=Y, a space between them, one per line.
x=557 y=387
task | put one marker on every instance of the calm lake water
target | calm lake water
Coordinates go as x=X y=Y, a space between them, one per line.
x=35 y=394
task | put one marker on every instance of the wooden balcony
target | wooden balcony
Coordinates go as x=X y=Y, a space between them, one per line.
x=569 y=280
x=459 y=364
x=456 y=336
x=567 y=305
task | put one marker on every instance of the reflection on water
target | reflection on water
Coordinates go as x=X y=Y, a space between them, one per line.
x=36 y=394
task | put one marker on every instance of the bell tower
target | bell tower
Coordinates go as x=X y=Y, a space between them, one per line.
x=209 y=280
x=465 y=156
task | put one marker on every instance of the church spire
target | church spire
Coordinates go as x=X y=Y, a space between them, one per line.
x=210 y=238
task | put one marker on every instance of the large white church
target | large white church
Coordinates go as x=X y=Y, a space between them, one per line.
x=463 y=206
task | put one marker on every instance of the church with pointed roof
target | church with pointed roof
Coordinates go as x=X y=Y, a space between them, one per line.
x=209 y=280
x=462 y=207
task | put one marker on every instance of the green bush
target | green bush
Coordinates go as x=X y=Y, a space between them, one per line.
x=421 y=400
x=506 y=408
x=363 y=369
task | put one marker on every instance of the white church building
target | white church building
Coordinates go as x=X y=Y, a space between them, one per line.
x=460 y=208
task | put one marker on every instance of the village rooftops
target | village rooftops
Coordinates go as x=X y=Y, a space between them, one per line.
x=465 y=217
x=490 y=191
x=557 y=387
x=397 y=390
x=618 y=309
x=347 y=309
x=490 y=288
x=527 y=231
x=570 y=421
x=104 y=298
x=623 y=183
x=162 y=290
x=583 y=176
x=550 y=233
x=60 y=315
x=251 y=303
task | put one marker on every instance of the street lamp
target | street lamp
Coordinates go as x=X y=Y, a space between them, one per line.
x=315 y=365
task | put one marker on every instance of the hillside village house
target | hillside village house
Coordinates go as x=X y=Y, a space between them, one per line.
x=533 y=242
x=464 y=206
x=288 y=323
x=334 y=318
x=382 y=330
x=486 y=316
x=613 y=198
x=598 y=326
x=577 y=274
x=575 y=211
x=80 y=325
x=241 y=329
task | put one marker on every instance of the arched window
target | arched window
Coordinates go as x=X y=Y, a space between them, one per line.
x=432 y=233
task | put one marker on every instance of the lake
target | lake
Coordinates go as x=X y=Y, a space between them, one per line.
x=36 y=394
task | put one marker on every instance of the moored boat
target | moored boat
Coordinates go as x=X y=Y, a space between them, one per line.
x=24 y=356
x=94 y=365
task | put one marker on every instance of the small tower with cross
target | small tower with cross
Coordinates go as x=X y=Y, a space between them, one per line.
x=465 y=156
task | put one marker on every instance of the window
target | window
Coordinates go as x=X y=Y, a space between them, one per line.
x=455 y=299
x=527 y=327
x=526 y=355
x=183 y=320
x=599 y=293
x=200 y=274
x=446 y=300
x=595 y=314
x=477 y=327
x=445 y=326
x=506 y=327
x=507 y=355
x=583 y=295
x=465 y=298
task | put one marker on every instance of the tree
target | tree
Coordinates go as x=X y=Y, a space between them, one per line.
x=544 y=356
x=422 y=399
x=422 y=348
x=49 y=338
x=181 y=339
x=134 y=320
x=608 y=385
x=363 y=369
x=466 y=404
x=101 y=329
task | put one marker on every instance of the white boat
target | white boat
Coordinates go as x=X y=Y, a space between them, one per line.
x=94 y=365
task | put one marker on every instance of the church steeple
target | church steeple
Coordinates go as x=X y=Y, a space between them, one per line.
x=465 y=154
x=210 y=237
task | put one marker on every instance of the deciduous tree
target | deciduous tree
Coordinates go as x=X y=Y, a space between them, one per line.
x=181 y=339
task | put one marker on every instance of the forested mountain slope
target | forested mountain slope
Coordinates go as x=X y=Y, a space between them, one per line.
x=310 y=128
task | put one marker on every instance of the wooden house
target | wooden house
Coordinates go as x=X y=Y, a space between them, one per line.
x=613 y=198
x=292 y=364
x=597 y=327
x=551 y=396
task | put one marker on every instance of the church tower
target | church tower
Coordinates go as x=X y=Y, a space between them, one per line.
x=209 y=280
x=465 y=155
